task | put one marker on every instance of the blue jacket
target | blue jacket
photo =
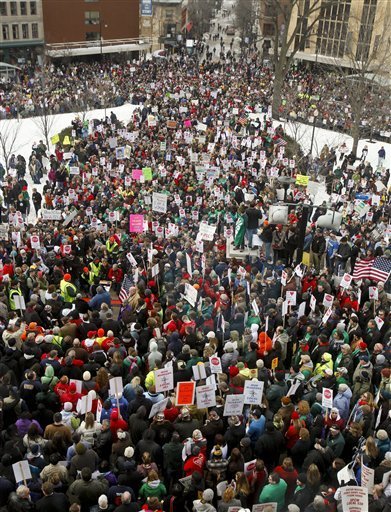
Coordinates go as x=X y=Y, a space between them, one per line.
x=342 y=403
x=99 y=299
x=256 y=429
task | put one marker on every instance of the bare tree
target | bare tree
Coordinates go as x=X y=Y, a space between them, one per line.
x=200 y=13
x=45 y=119
x=299 y=19
x=245 y=15
x=9 y=131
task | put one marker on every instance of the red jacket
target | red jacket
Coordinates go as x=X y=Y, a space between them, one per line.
x=195 y=463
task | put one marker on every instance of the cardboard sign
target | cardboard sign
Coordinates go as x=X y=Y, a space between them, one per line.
x=206 y=232
x=199 y=371
x=191 y=294
x=284 y=276
x=99 y=408
x=158 y=407
x=185 y=393
x=327 y=398
x=345 y=281
x=253 y=390
x=274 y=363
x=116 y=387
x=312 y=303
x=354 y=499
x=131 y=259
x=215 y=364
x=327 y=315
x=164 y=379
x=379 y=322
x=136 y=223
x=35 y=244
x=78 y=384
x=205 y=396
x=367 y=476
x=233 y=405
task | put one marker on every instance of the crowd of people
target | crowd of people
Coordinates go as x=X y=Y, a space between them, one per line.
x=126 y=272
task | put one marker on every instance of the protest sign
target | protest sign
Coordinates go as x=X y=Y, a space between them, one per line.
x=159 y=202
x=253 y=390
x=116 y=386
x=291 y=298
x=199 y=371
x=249 y=467
x=367 y=476
x=136 y=223
x=191 y=294
x=207 y=232
x=215 y=364
x=346 y=281
x=354 y=499
x=205 y=396
x=327 y=398
x=78 y=384
x=164 y=379
x=265 y=507
x=185 y=393
x=233 y=405
x=158 y=407
x=21 y=471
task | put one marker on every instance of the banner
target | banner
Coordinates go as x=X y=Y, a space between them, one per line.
x=136 y=223
x=146 y=7
x=185 y=393
x=206 y=232
x=354 y=499
x=205 y=396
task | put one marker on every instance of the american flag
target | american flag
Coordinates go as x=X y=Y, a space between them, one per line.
x=280 y=142
x=242 y=119
x=125 y=287
x=377 y=269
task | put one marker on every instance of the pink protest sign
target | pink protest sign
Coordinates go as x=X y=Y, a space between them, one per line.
x=136 y=223
x=136 y=174
x=187 y=123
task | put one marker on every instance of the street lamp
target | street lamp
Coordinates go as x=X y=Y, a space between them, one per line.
x=315 y=115
x=101 y=37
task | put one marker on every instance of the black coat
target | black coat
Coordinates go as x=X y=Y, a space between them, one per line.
x=303 y=497
x=56 y=501
x=269 y=448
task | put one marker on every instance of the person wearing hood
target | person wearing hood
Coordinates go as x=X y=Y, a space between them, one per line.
x=362 y=377
x=333 y=419
x=326 y=361
x=342 y=401
x=306 y=366
x=282 y=337
x=344 y=359
x=116 y=423
x=154 y=355
x=49 y=377
x=68 y=416
x=152 y=488
x=175 y=343
x=229 y=357
x=276 y=391
x=205 y=503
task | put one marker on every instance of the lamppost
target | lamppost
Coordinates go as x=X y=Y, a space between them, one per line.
x=101 y=37
x=315 y=115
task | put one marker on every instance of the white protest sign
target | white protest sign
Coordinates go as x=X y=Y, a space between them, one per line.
x=21 y=471
x=188 y=264
x=116 y=387
x=327 y=398
x=233 y=405
x=249 y=467
x=354 y=499
x=312 y=303
x=35 y=243
x=284 y=309
x=131 y=259
x=284 y=276
x=206 y=232
x=291 y=298
x=367 y=476
x=301 y=311
x=205 y=396
x=199 y=371
x=215 y=364
x=164 y=379
x=328 y=300
x=327 y=315
x=158 y=407
x=265 y=507
x=373 y=293
x=155 y=270
x=78 y=384
x=191 y=294
x=19 y=302
x=345 y=281
x=386 y=479
x=294 y=387
x=159 y=202
x=253 y=390
x=255 y=307
x=379 y=322
x=346 y=474
x=99 y=408
x=51 y=214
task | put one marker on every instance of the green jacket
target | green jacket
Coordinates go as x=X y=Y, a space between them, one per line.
x=155 y=488
x=274 y=493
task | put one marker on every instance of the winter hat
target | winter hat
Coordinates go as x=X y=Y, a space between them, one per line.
x=342 y=388
x=380 y=359
x=328 y=371
x=386 y=372
x=293 y=508
x=86 y=376
x=295 y=415
x=103 y=502
x=129 y=452
x=302 y=478
x=211 y=334
x=233 y=371
x=260 y=363
x=67 y=406
x=101 y=333
x=362 y=345
x=228 y=347
x=382 y=435
x=245 y=442
x=72 y=387
x=39 y=339
x=197 y=435
x=208 y=495
x=364 y=358
x=286 y=400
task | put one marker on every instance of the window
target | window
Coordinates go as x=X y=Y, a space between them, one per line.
x=34 y=31
x=6 y=33
x=91 y=17
x=92 y=36
x=25 y=31
x=332 y=29
x=14 y=9
x=90 y=2
x=3 y=9
x=15 y=31
x=33 y=8
x=23 y=8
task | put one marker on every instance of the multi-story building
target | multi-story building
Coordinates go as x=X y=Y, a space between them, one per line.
x=163 y=22
x=346 y=31
x=89 y=27
x=21 y=36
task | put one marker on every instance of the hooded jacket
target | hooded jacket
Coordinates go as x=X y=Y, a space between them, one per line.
x=154 y=488
x=342 y=403
x=49 y=378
